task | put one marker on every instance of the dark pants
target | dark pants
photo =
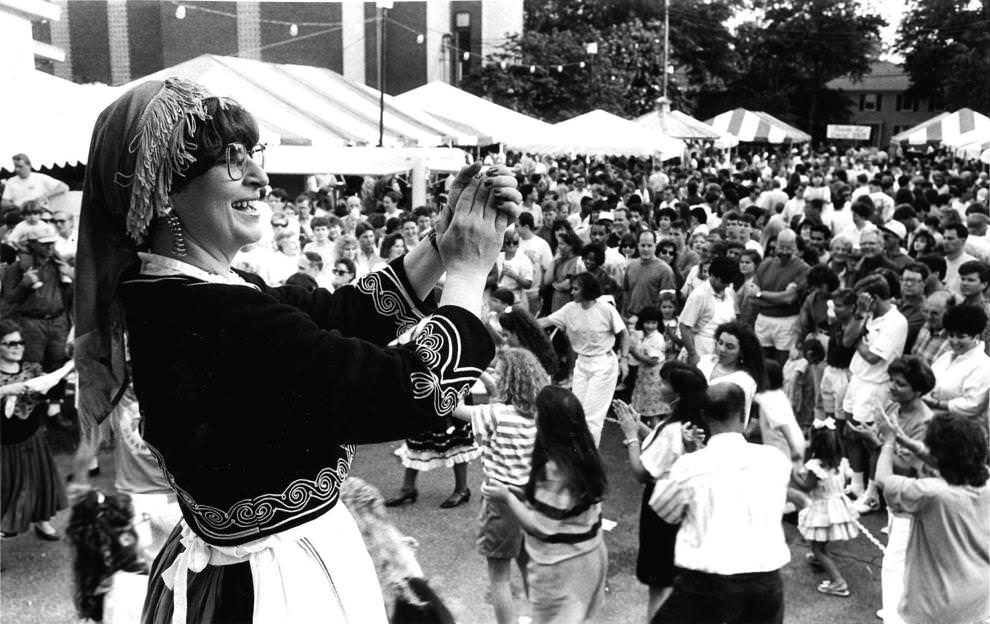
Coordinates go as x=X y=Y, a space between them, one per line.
x=754 y=598
x=44 y=343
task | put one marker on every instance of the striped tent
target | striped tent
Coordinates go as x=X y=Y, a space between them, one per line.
x=302 y=105
x=946 y=128
x=675 y=123
x=757 y=127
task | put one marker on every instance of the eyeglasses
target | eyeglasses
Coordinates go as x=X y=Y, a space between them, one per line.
x=340 y=272
x=47 y=220
x=511 y=243
x=236 y=156
x=13 y=343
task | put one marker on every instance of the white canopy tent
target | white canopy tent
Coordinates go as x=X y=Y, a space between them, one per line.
x=492 y=122
x=601 y=133
x=675 y=123
x=363 y=160
x=51 y=121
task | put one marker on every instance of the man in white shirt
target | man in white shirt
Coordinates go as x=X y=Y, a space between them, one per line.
x=728 y=498
x=882 y=332
x=539 y=253
x=977 y=243
x=953 y=243
x=65 y=246
x=27 y=185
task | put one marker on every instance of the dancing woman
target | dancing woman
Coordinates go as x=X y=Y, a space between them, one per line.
x=257 y=453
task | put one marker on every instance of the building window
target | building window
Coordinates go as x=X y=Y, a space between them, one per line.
x=870 y=101
x=906 y=103
x=462 y=45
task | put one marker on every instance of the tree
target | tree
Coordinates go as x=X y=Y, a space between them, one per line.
x=946 y=47
x=624 y=77
x=798 y=47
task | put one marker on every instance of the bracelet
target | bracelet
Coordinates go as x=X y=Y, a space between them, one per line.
x=630 y=441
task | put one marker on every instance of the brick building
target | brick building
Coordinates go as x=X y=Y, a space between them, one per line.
x=115 y=41
x=880 y=100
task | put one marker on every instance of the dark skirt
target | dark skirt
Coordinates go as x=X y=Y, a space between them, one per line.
x=218 y=594
x=655 y=563
x=450 y=443
x=30 y=483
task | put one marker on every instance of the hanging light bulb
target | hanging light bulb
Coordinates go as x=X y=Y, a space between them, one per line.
x=180 y=12
x=581 y=64
x=420 y=39
x=466 y=56
x=560 y=69
x=503 y=64
x=532 y=69
x=293 y=30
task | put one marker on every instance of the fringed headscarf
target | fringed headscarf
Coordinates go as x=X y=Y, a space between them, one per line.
x=139 y=143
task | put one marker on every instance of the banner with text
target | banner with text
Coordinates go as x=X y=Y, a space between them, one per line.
x=854 y=133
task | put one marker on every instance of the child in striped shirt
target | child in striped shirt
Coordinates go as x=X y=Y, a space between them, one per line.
x=561 y=515
x=506 y=432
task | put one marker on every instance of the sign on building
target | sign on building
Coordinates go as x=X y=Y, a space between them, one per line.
x=852 y=133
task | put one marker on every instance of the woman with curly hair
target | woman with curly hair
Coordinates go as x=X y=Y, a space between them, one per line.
x=506 y=430
x=947 y=570
x=522 y=331
x=110 y=579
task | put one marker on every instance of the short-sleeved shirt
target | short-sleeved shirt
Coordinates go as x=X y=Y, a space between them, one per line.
x=591 y=331
x=885 y=336
x=37 y=185
x=772 y=276
x=507 y=438
x=776 y=418
x=643 y=282
x=521 y=266
x=947 y=571
x=704 y=310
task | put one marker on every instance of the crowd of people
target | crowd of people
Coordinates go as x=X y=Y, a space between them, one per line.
x=789 y=334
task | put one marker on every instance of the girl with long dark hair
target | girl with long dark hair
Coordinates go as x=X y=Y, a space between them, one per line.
x=561 y=513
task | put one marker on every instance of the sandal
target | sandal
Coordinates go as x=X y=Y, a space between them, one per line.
x=834 y=589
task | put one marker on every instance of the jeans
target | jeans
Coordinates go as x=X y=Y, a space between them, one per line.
x=702 y=598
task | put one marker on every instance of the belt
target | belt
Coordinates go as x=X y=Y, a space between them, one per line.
x=41 y=317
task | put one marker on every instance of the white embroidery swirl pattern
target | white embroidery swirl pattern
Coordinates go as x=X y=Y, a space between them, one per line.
x=438 y=345
x=266 y=512
x=390 y=298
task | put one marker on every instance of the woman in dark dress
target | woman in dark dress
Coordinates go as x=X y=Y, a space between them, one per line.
x=651 y=454
x=256 y=453
x=32 y=488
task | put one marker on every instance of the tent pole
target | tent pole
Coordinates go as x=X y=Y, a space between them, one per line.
x=381 y=75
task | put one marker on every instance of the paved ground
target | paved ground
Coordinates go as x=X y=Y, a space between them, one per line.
x=35 y=584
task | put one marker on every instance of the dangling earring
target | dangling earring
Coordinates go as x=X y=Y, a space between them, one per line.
x=175 y=227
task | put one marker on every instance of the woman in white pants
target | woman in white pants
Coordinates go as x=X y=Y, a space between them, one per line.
x=594 y=329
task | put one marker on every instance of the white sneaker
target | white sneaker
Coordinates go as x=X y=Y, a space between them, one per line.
x=866 y=505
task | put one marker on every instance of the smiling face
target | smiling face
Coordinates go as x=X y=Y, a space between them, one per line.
x=220 y=214
x=398 y=248
x=900 y=390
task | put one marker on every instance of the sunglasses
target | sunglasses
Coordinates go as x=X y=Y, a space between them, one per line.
x=280 y=224
x=236 y=157
x=12 y=343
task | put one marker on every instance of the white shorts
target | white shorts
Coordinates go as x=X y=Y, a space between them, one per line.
x=864 y=398
x=776 y=331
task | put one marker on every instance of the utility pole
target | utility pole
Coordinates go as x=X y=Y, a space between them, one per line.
x=382 y=12
x=666 y=45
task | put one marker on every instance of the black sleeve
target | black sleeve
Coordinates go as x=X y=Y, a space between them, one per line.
x=351 y=389
x=378 y=308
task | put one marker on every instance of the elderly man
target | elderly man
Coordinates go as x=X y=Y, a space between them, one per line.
x=728 y=498
x=931 y=340
x=871 y=247
x=779 y=284
x=65 y=246
x=27 y=185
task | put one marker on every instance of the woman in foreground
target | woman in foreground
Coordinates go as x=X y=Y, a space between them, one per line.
x=257 y=453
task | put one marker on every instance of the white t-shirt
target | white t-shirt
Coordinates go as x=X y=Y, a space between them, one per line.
x=591 y=331
x=35 y=186
x=521 y=266
x=776 y=419
x=885 y=337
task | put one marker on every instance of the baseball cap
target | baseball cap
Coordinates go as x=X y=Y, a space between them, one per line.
x=896 y=228
x=39 y=232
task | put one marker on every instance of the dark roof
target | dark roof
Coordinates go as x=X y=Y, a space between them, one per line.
x=883 y=76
